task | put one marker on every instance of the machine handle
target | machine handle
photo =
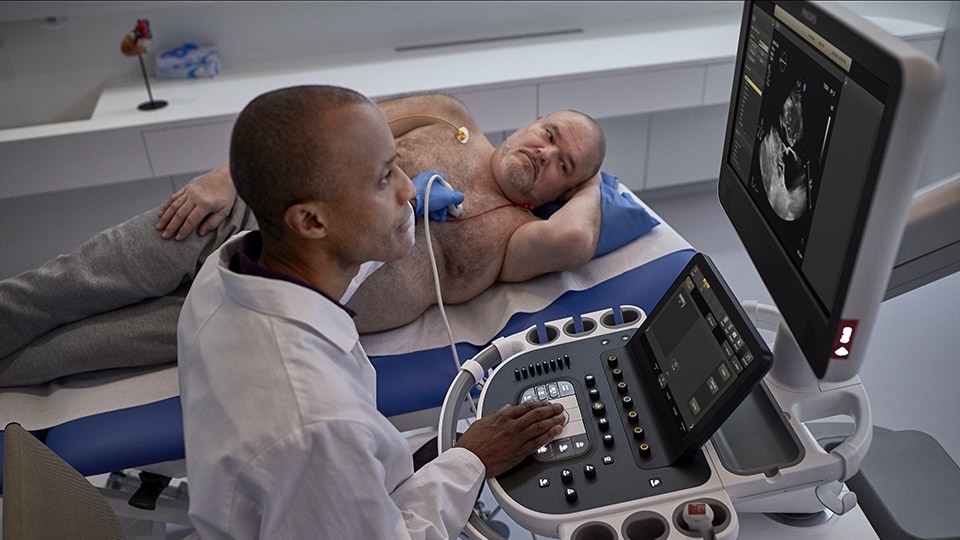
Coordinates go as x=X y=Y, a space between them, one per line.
x=476 y=528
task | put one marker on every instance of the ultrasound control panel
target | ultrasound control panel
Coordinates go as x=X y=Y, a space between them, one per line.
x=640 y=395
x=610 y=449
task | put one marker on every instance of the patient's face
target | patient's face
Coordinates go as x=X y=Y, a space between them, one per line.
x=542 y=160
x=371 y=215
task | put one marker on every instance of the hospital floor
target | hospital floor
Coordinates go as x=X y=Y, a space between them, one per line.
x=911 y=374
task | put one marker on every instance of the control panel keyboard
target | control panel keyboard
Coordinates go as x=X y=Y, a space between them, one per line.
x=609 y=446
x=573 y=440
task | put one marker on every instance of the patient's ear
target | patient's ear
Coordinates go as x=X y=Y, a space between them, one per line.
x=306 y=220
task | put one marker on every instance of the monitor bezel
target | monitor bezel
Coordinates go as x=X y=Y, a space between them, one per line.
x=813 y=325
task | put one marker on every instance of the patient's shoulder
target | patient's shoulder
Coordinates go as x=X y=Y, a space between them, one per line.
x=450 y=104
x=456 y=111
x=443 y=105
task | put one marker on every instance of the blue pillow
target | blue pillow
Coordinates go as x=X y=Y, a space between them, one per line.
x=622 y=219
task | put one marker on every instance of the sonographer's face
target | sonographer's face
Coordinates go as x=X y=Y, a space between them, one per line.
x=372 y=215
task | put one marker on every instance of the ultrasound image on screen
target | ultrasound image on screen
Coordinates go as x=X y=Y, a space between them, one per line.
x=799 y=105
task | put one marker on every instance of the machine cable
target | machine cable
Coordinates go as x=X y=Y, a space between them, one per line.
x=436 y=283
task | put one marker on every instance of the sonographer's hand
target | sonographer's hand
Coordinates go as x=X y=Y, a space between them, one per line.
x=202 y=204
x=441 y=196
x=505 y=438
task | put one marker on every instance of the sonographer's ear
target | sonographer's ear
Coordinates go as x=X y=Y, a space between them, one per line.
x=306 y=220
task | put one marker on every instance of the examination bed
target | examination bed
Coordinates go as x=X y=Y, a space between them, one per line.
x=131 y=419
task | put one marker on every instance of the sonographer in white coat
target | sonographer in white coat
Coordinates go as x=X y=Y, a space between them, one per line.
x=308 y=437
x=283 y=437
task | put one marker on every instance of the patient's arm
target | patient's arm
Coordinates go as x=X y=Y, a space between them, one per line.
x=567 y=240
x=408 y=113
x=202 y=204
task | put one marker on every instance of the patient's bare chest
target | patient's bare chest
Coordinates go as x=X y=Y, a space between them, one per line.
x=470 y=250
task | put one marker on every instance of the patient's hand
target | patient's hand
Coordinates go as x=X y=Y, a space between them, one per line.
x=202 y=204
x=505 y=438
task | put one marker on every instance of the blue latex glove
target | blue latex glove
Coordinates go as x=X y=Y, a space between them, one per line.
x=442 y=198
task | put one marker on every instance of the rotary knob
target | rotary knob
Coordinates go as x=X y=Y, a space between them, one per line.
x=598 y=408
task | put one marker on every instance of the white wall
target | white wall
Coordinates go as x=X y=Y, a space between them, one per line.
x=943 y=158
x=53 y=71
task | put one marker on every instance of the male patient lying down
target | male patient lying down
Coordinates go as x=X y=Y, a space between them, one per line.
x=114 y=302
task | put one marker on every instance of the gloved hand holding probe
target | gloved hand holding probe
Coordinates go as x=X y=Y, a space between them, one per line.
x=443 y=199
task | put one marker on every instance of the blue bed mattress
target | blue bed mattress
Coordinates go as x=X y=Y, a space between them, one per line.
x=136 y=436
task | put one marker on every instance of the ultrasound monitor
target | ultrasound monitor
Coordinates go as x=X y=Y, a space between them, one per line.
x=823 y=147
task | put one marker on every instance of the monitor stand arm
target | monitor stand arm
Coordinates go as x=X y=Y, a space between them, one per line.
x=816 y=481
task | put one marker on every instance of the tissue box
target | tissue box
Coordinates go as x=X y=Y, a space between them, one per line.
x=188 y=61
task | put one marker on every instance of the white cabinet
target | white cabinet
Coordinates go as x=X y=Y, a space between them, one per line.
x=501 y=109
x=663 y=94
x=188 y=149
x=685 y=145
x=603 y=96
x=61 y=162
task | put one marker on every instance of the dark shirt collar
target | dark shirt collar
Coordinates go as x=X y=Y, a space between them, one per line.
x=245 y=262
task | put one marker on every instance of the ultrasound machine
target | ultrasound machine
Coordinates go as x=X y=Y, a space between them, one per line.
x=684 y=418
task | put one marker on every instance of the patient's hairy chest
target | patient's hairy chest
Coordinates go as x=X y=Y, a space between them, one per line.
x=436 y=147
x=470 y=250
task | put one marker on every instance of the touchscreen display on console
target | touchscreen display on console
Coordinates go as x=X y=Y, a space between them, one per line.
x=699 y=351
x=703 y=352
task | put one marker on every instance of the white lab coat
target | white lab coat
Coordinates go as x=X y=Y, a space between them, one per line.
x=283 y=438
